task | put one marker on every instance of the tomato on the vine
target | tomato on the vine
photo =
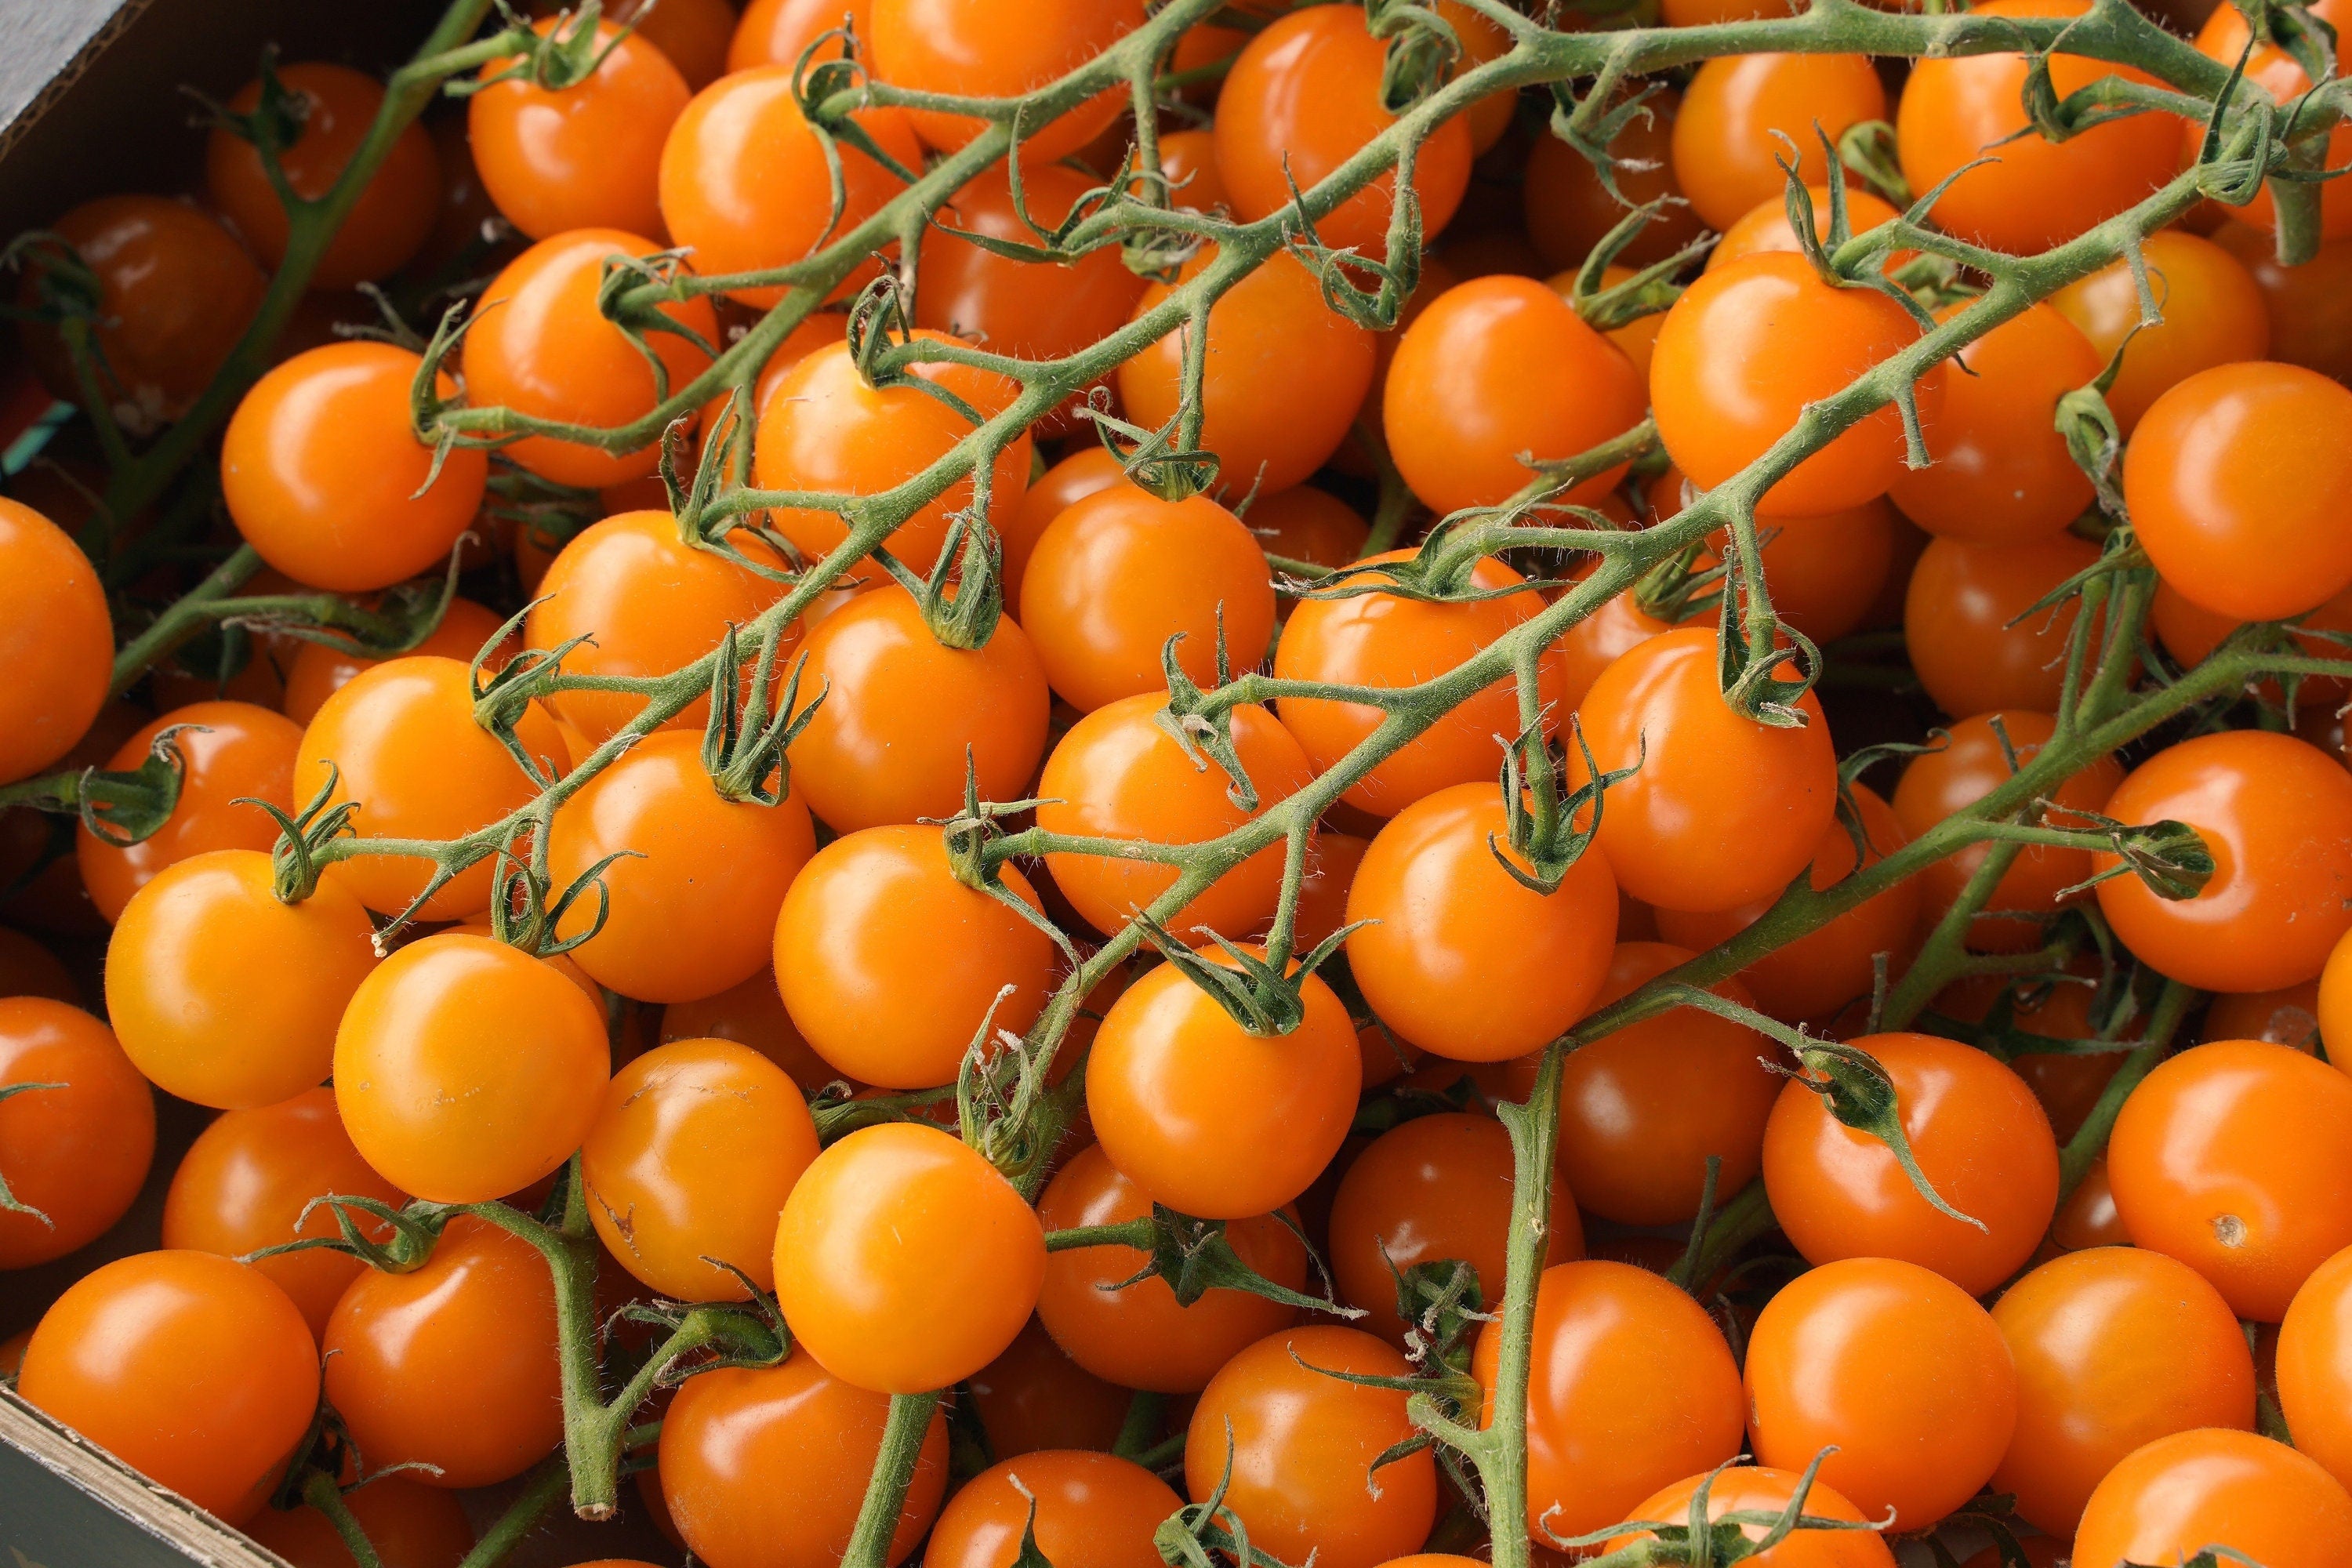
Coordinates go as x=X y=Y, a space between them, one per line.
x=56 y=637
x=233 y=753
x=587 y=156
x=75 y=1144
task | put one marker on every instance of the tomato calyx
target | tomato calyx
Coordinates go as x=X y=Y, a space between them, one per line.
x=413 y=1229
x=1423 y=51
x=1254 y=992
x=1208 y=1534
x=1753 y=648
x=1539 y=822
x=1677 y=588
x=1159 y=462
x=294 y=858
x=117 y=807
x=746 y=747
x=1203 y=727
x=275 y=123
x=1194 y=1256
x=1855 y=1088
x=524 y=908
x=1007 y=1106
x=563 y=56
x=963 y=598
x=1695 y=1540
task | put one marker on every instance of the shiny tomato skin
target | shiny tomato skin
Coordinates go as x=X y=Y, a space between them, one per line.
x=466 y=1069
x=1761 y=1490
x=1091 y=1509
x=1303 y=1445
x=2277 y=815
x=1900 y=1370
x=1120 y=571
x=1302 y=98
x=976 y=49
x=319 y=671
x=765 y=1467
x=1766 y=226
x=57 y=637
x=183 y=980
x=1724 y=810
x=1308 y=524
x=2235 y=1157
x=2193 y=1490
x=1034 y=1397
x=1135 y=1335
x=75 y=1152
x=1067 y=482
x=2114 y=1347
x=194 y=1370
x=245 y=1182
x=2214 y=314
x=2039 y=194
x=1972 y=643
x=1631 y=1385
x=1433 y=886
x=1567 y=211
x=588 y=156
x=2236 y=479
x=1724 y=148
x=1117 y=775
x=778 y=32
x=2315 y=1365
x=452 y=1364
x=690 y=1158
x=233 y=753
x=409 y=1524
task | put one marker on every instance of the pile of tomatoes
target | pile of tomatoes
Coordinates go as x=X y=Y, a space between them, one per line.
x=1169 y=852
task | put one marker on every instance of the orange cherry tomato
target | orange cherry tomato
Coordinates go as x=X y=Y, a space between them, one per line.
x=2213 y=315
x=2310 y=306
x=403 y=743
x=694 y=34
x=409 y=1524
x=968 y=47
x=1077 y=1508
x=1766 y=226
x=319 y=671
x=1117 y=775
x=2223 y=37
x=1134 y=1334
x=2287 y=1016
x=1067 y=482
x=1302 y=1448
x=1304 y=523
x=338 y=106
x=2036 y=193
x=1120 y=571
x=1826 y=573
x=466 y=1069
x=1567 y=210
x=2189 y=633
x=2277 y=815
x=1301 y=99
x=2312 y=1365
x=74 y=1150
x=744 y=180
x=904 y=1262
x=233 y=753
x=452 y=1364
x=1034 y=1398
x=752 y=1014
x=2193 y=1490
x=56 y=637
x=539 y=345
x=1631 y=1385
x=1724 y=148
x=2236 y=1158
x=224 y=995
x=1972 y=643
x=1436 y=887
x=778 y=32
x=244 y=1183
x=586 y=157
x=2088 y=1217
x=29 y=969
x=1898 y=1369
x=2000 y=472
x=1762 y=1490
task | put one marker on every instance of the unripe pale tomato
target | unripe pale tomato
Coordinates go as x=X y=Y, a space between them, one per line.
x=1724 y=148
x=2193 y=1490
x=234 y=753
x=194 y=1370
x=1760 y=1490
x=75 y=1149
x=466 y=1069
x=1091 y=1509
x=2213 y=315
x=583 y=158
x=183 y=973
x=904 y=1261
x=57 y=639
x=973 y=47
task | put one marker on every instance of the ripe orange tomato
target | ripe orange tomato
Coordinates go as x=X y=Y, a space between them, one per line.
x=405 y=745
x=752 y=1014
x=1431 y=881
x=2236 y=1158
x=2235 y=480
x=2213 y=315
x=2277 y=814
x=1034 y=1398
x=194 y=1370
x=409 y=1524
x=1285 y=375
x=2114 y=1347
x=1082 y=1508
x=1301 y=99
x=1302 y=1447
x=176 y=293
x=56 y=637
x=1763 y=1491
x=2002 y=473
x=1495 y=370
x=890 y=964
x=224 y=995
x=2037 y=194
x=587 y=157
x=1120 y=571
x=1117 y=775
x=2310 y=308
x=395 y=211
x=2287 y=1016
x=975 y=49
x=1722 y=143
x=452 y=1364
x=234 y=753
x=1749 y=347
x=1067 y=482
x=1631 y=1385
x=689 y=1159
x=2193 y=1490
x=1766 y=226
x=466 y=1069
x=1896 y=1367
x=2224 y=39
x=811 y=1439
x=1724 y=810
x=2088 y=1217
x=2312 y=1365
x=904 y=1261
x=2189 y=633
x=1210 y=1118
x=744 y=181
x=322 y=473
x=1308 y=524
x=1135 y=1335
x=243 y=1185
x=1828 y=573
x=1964 y=617
x=1567 y=211
x=539 y=346
x=778 y=32
x=1434 y=1188
x=319 y=671
x=76 y=1151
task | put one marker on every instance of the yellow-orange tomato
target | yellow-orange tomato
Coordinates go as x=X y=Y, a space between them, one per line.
x=2180 y=1494
x=778 y=32
x=904 y=1261
x=967 y=48
x=1722 y=143
x=2212 y=308
x=1034 y=1398
x=1766 y=226
x=319 y=671
x=233 y=753
x=1067 y=482
x=466 y=1069
x=1305 y=523
x=1095 y=1509
x=1973 y=645
x=588 y=156
x=57 y=637
x=1569 y=211
x=2310 y=305
x=2313 y=1367
x=76 y=1134
x=1762 y=1490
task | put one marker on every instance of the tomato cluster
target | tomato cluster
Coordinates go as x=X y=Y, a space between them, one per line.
x=973 y=828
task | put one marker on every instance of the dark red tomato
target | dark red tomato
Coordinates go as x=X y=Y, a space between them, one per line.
x=1724 y=148
x=234 y=753
x=1034 y=1398
x=194 y=1370
x=2193 y=1490
x=587 y=157
x=408 y=1524
x=56 y=637
x=75 y=1152
x=1088 y=1509
x=1569 y=211
x=2213 y=315
x=1964 y=617
x=1301 y=99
